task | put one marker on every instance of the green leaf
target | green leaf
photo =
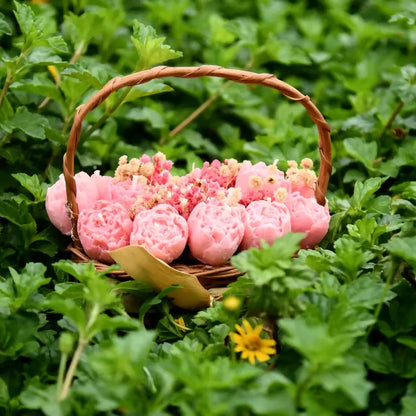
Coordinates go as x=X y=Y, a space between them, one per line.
x=150 y=88
x=365 y=152
x=67 y=307
x=155 y=300
x=29 y=123
x=43 y=55
x=90 y=75
x=33 y=185
x=314 y=340
x=5 y=28
x=366 y=292
x=406 y=84
x=58 y=44
x=105 y=322
x=403 y=247
x=364 y=191
x=147 y=114
x=25 y=17
x=40 y=85
x=408 y=341
x=150 y=48
x=4 y=394
x=380 y=359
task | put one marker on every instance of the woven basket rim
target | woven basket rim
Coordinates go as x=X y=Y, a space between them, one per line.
x=239 y=76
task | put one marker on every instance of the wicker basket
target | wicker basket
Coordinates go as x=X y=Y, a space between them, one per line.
x=209 y=276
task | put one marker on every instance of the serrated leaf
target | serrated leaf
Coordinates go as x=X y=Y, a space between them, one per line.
x=150 y=48
x=364 y=191
x=43 y=55
x=67 y=307
x=29 y=123
x=33 y=185
x=95 y=75
x=39 y=85
x=363 y=151
x=58 y=44
x=25 y=17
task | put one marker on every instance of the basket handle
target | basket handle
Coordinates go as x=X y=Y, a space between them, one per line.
x=243 y=77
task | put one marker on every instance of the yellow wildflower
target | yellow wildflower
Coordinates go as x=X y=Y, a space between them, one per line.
x=232 y=303
x=251 y=345
x=180 y=323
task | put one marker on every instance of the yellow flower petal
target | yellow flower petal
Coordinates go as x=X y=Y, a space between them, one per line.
x=258 y=329
x=247 y=326
x=261 y=356
x=239 y=329
x=268 y=342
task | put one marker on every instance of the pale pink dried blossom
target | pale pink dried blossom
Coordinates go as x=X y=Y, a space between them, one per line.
x=302 y=180
x=215 y=231
x=106 y=226
x=56 y=198
x=307 y=216
x=161 y=231
x=266 y=221
x=259 y=181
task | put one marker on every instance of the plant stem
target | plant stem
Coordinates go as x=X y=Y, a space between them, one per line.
x=203 y=106
x=82 y=342
x=393 y=273
x=304 y=384
x=6 y=86
x=107 y=114
x=61 y=372
x=77 y=54
x=394 y=114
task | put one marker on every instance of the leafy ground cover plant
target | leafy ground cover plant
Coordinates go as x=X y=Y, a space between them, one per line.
x=342 y=317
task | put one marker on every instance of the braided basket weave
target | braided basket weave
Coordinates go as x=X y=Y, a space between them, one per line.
x=209 y=276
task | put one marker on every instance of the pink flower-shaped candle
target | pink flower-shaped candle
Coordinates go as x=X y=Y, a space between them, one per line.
x=265 y=221
x=215 y=231
x=161 y=231
x=307 y=216
x=106 y=226
x=87 y=194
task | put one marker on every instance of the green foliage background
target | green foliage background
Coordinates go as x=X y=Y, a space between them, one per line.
x=344 y=316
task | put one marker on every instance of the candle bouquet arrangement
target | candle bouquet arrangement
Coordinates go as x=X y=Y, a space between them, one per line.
x=211 y=212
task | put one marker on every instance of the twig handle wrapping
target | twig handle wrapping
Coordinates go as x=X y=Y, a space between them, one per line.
x=243 y=77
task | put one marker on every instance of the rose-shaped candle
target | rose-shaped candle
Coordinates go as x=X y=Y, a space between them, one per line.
x=87 y=194
x=162 y=231
x=266 y=221
x=215 y=231
x=307 y=216
x=106 y=226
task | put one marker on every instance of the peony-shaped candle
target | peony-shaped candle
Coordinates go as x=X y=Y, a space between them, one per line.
x=127 y=191
x=259 y=181
x=87 y=194
x=161 y=231
x=307 y=216
x=266 y=221
x=106 y=226
x=102 y=183
x=215 y=231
